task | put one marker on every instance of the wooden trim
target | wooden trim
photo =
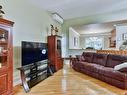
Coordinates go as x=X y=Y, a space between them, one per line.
x=117 y=52
x=56 y=36
x=6 y=22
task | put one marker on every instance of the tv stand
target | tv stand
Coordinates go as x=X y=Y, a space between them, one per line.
x=34 y=73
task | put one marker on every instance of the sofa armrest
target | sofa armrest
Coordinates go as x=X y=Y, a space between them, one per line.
x=125 y=81
x=78 y=57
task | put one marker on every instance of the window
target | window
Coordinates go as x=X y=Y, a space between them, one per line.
x=94 y=43
x=75 y=41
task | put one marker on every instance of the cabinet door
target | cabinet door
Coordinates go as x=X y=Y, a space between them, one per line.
x=51 y=49
x=59 y=52
x=6 y=56
x=5 y=61
x=3 y=83
x=59 y=63
x=3 y=48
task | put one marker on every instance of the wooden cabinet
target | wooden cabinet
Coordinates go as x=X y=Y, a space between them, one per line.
x=54 y=51
x=112 y=39
x=6 y=56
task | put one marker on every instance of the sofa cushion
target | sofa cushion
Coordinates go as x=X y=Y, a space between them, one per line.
x=100 y=59
x=88 y=56
x=91 y=67
x=87 y=66
x=109 y=72
x=97 y=68
x=114 y=60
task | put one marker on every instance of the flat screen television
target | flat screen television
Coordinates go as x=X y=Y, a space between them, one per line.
x=33 y=52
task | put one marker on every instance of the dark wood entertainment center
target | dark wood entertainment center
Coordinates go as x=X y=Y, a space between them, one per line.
x=55 y=51
x=6 y=57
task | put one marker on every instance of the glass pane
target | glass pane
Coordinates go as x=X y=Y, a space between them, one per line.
x=3 y=47
x=59 y=47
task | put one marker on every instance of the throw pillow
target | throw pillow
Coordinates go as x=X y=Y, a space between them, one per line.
x=121 y=67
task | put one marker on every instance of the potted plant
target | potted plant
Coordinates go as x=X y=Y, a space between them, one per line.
x=1 y=12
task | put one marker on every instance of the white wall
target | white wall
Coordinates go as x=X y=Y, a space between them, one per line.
x=31 y=24
x=120 y=30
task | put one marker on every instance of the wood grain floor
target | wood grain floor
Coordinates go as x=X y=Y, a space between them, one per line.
x=69 y=82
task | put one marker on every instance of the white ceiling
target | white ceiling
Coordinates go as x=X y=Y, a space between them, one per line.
x=94 y=28
x=69 y=9
x=98 y=28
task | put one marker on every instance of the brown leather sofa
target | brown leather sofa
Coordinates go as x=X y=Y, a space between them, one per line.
x=101 y=67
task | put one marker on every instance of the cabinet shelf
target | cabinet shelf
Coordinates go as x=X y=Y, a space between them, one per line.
x=34 y=73
x=37 y=72
x=3 y=66
x=3 y=43
x=3 y=55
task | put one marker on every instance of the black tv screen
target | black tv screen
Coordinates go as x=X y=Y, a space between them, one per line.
x=33 y=52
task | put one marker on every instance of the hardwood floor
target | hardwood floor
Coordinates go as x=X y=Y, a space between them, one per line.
x=69 y=82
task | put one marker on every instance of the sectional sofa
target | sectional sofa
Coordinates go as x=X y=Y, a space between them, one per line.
x=101 y=66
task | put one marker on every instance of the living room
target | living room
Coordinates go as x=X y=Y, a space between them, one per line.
x=33 y=20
